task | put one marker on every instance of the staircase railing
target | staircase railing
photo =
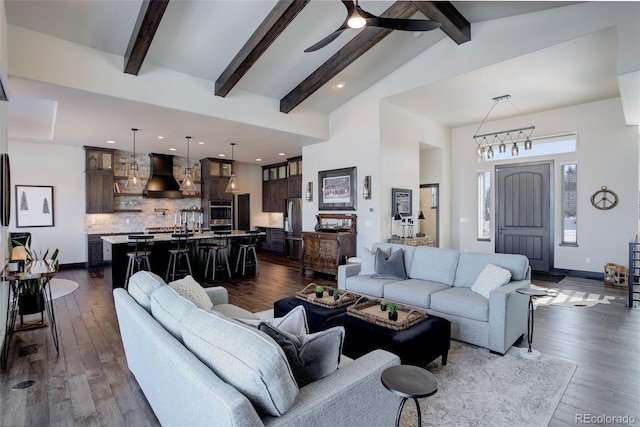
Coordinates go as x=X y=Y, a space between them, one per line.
x=634 y=273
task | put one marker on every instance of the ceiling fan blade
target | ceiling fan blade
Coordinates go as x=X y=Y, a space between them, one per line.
x=403 y=24
x=325 y=41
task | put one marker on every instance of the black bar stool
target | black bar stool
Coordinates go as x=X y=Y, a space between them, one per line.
x=179 y=252
x=247 y=253
x=139 y=257
x=218 y=252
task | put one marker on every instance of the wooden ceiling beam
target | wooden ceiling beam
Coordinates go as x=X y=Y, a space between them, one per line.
x=148 y=21
x=452 y=22
x=273 y=25
x=360 y=44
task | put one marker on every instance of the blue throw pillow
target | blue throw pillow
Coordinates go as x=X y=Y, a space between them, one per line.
x=391 y=267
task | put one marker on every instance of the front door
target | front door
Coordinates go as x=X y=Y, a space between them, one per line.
x=523 y=215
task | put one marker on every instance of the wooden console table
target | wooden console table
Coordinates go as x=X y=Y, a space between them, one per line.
x=413 y=241
x=330 y=245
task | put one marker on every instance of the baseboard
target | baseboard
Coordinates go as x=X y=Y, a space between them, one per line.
x=579 y=273
x=73 y=266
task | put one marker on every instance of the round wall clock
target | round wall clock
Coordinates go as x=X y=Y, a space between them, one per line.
x=604 y=199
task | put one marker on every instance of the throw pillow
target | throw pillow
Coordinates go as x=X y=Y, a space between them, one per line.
x=311 y=356
x=368 y=265
x=191 y=290
x=294 y=322
x=391 y=267
x=491 y=277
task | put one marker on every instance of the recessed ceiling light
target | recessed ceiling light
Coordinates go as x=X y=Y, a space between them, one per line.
x=172 y=149
x=221 y=155
x=258 y=160
x=111 y=142
x=280 y=154
x=340 y=85
x=201 y=143
x=160 y=137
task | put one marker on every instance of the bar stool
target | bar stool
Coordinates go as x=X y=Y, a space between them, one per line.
x=179 y=251
x=247 y=252
x=218 y=252
x=139 y=257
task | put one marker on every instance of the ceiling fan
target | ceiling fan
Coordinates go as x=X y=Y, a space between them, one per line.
x=358 y=18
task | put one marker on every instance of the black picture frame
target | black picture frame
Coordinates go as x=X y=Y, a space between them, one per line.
x=401 y=200
x=34 y=206
x=337 y=189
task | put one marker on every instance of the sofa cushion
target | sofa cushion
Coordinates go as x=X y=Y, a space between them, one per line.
x=413 y=292
x=391 y=266
x=491 y=277
x=193 y=291
x=392 y=247
x=141 y=285
x=169 y=308
x=368 y=265
x=463 y=302
x=244 y=357
x=234 y=311
x=310 y=356
x=367 y=285
x=434 y=264
x=471 y=264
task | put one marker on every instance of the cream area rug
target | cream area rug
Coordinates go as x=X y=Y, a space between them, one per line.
x=478 y=388
x=62 y=287
x=568 y=298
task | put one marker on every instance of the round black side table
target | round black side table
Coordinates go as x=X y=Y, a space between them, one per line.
x=408 y=381
x=532 y=294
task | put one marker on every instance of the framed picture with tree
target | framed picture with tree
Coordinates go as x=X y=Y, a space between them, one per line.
x=34 y=206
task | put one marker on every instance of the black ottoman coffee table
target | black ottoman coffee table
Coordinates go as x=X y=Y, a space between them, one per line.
x=317 y=316
x=418 y=345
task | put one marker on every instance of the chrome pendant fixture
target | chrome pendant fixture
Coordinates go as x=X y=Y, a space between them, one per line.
x=187 y=185
x=232 y=186
x=134 y=182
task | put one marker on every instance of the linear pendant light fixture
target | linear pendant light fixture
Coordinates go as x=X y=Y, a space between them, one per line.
x=187 y=184
x=134 y=182
x=232 y=186
x=501 y=138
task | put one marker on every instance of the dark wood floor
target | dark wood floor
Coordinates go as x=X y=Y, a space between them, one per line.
x=88 y=383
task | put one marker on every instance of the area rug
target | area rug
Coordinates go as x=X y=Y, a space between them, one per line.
x=568 y=298
x=478 y=388
x=61 y=287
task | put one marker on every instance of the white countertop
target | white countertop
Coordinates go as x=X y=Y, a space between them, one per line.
x=165 y=237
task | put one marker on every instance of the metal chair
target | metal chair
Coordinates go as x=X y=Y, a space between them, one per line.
x=247 y=253
x=218 y=252
x=179 y=252
x=139 y=257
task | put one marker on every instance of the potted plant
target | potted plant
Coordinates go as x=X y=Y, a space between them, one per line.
x=393 y=312
x=330 y=291
x=383 y=305
x=319 y=291
x=336 y=295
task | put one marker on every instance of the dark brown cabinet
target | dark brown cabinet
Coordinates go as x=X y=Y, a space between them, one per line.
x=274 y=187
x=99 y=180
x=273 y=241
x=294 y=181
x=94 y=251
x=215 y=177
x=334 y=241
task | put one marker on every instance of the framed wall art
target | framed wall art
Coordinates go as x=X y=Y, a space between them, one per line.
x=401 y=201
x=337 y=189
x=34 y=206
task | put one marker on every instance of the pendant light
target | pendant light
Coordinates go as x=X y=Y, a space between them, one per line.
x=187 y=184
x=134 y=182
x=232 y=186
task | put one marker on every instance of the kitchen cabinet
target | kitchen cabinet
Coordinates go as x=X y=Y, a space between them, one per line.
x=328 y=247
x=215 y=175
x=274 y=187
x=94 y=251
x=273 y=241
x=294 y=180
x=99 y=180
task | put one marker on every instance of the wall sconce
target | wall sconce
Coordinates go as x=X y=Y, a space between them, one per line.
x=366 y=190
x=309 y=192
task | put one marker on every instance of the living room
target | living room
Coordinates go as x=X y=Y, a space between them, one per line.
x=386 y=139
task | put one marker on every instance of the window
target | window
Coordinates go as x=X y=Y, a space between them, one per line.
x=569 y=204
x=484 y=205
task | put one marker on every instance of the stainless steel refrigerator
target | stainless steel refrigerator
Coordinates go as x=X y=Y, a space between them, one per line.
x=293 y=228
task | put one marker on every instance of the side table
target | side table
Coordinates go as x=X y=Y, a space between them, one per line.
x=532 y=294
x=409 y=382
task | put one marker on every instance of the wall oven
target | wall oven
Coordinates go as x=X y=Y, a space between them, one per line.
x=221 y=215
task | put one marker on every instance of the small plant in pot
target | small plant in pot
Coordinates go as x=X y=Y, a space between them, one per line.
x=383 y=305
x=331 y=291
x=393 y=312
x=319 y=291
x=336 y=295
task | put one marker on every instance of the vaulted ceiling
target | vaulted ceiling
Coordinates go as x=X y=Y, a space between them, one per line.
x=243 y=47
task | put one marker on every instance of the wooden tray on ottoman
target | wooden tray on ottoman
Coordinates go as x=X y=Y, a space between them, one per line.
x=309 y=294
x=369 y=310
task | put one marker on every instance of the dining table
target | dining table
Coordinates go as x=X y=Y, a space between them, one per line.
x=115 y=250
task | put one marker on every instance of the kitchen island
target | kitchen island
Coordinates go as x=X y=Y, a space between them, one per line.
x=116 y=248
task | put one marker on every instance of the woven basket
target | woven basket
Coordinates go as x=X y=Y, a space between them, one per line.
x=616 y=275
x=369 y=310
x=309 y=294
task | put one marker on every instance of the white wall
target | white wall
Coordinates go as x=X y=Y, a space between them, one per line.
x=607 y=155
x=63 y=168
x=4 y=286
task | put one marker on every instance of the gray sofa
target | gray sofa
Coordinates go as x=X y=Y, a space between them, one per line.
x=440 y=280
x=162 y=332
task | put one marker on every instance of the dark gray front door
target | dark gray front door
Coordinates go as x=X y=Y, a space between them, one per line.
x=523 y=219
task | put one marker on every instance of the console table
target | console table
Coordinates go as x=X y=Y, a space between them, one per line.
x=412 y=241
x=330 y=245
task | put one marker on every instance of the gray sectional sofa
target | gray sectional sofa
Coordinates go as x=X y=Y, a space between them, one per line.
x=440 y=281
x=192 y=363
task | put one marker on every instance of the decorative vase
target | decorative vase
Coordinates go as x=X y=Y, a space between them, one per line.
x=393 y=316
x=331 y=292
x=30 y=303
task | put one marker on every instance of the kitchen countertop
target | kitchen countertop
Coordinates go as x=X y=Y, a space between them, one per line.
x=165 y=237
